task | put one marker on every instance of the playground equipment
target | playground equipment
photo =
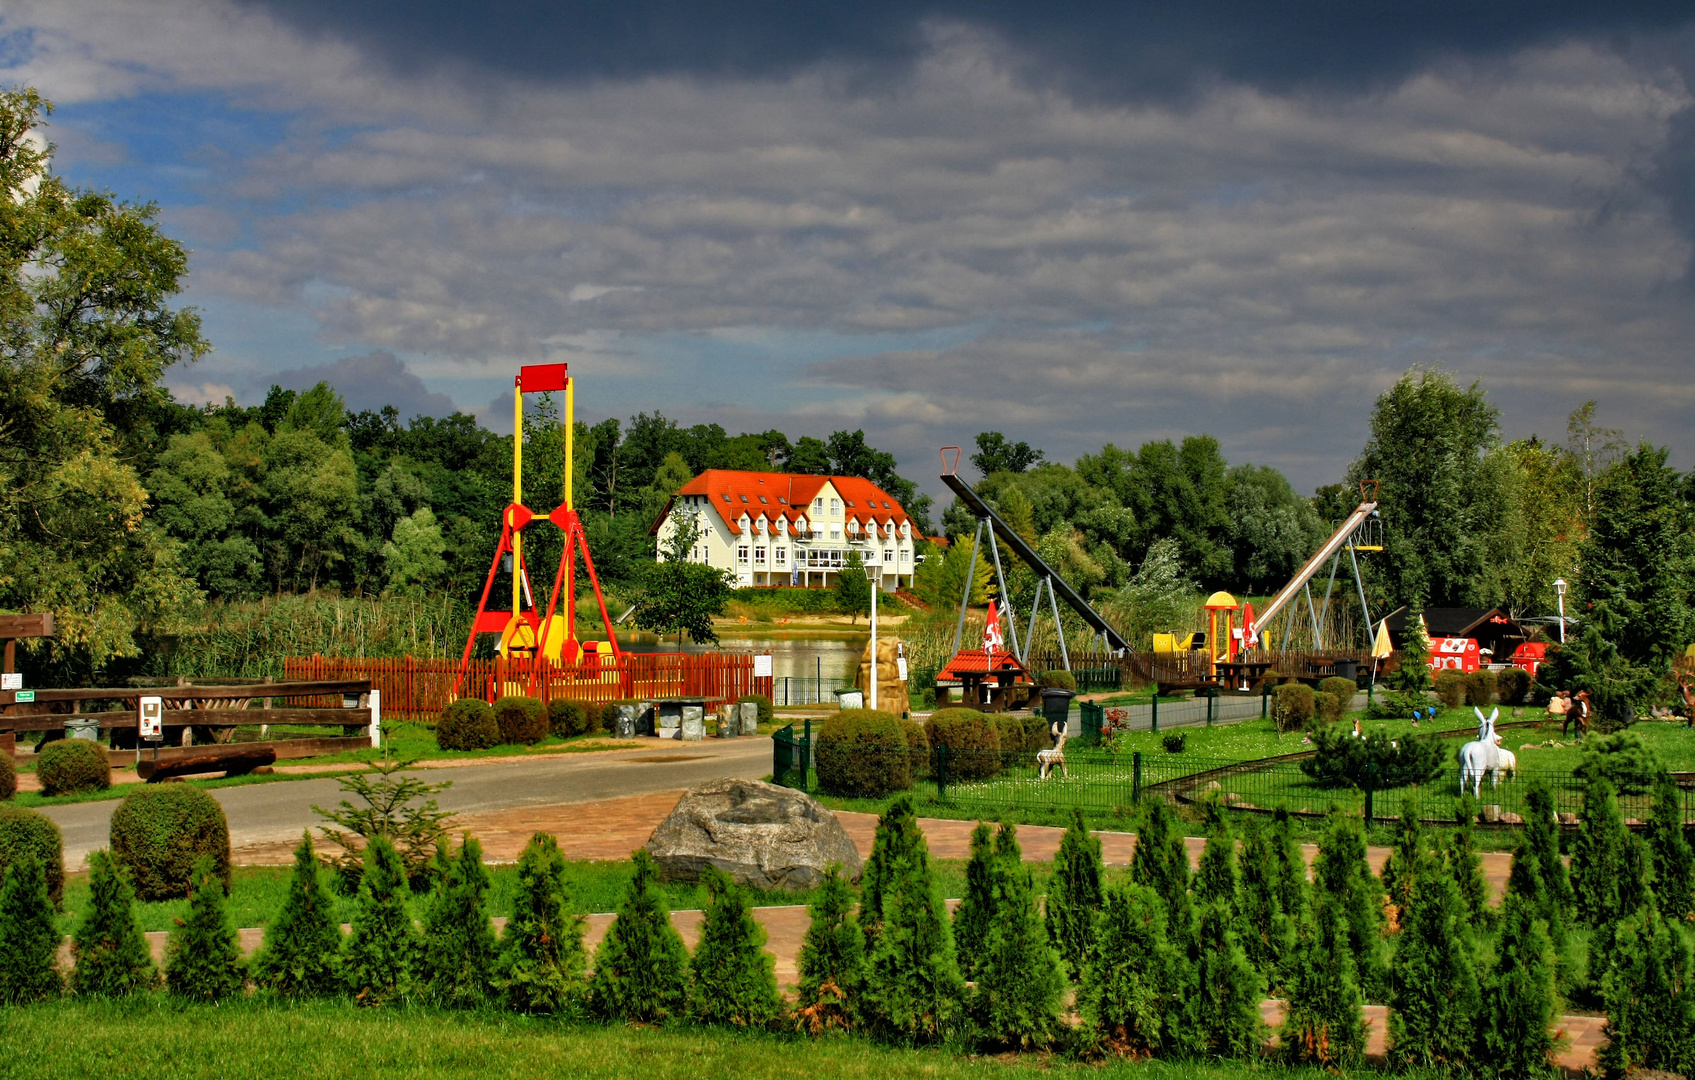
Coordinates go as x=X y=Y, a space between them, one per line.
x=525 y=635
x=1046 y=576
x=1359 y=533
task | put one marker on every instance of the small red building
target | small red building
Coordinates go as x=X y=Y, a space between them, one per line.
x=991 y=682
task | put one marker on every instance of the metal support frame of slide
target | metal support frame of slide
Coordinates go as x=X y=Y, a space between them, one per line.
x=1331 y=550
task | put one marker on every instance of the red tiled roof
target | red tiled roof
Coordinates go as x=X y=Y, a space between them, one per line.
x=789 y=496
x=976 y=661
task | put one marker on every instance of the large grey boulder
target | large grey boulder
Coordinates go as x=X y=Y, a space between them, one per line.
x=762 y=835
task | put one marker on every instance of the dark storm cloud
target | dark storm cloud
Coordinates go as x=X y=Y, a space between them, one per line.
x=369 y=382
x=1106 y=49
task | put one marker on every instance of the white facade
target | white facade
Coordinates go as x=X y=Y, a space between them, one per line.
x=806 y=544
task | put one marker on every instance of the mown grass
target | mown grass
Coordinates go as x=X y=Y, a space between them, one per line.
x=155 y=1036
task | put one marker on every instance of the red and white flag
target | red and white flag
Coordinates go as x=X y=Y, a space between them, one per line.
x=992 y=638
x=1250 y=632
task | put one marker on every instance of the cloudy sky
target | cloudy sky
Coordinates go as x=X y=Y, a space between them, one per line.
x=1071 y=222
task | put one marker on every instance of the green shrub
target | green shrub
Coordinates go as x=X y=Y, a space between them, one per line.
x=303 y=940
x=1224 y=1019
x=567 y=718
x=1521 y=1008
x=160 y=833
x=8 y=777
x=973 y=745
x=72 y=765
x=1623 y=759
x=1480 y=687
x=1175 y=743
x=735 y=980
x=1341 y=876
x=976 y=908
x=1020 y=983
x=1512 y=685
x=1323 y=1025
x=1451 y=689
x=897 y=837
x=522 y=720
x=1292 y=705
x=1133 y=984
x=641 y=968
x=1161 y=862
x=111 y=954
x=459 y=948
x=1326 y=708
x=1074 y=895
x=1059 y=679
x=1344 y=689
x=467 y=724
x=1650 y=1004
x=766 y=713
x=25 y=832
x=862 y=753
x=831 y=964
x=203 y=955
x=1036 y=736
x=29 y=960
x=380 y=959
x=595 y=717
x=1009 y=732
x=542 y=962
x=1434 y=994
x=913 y=992
x=1340 y=760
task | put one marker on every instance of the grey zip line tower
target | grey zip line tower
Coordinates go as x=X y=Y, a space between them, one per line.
x=1046 y=577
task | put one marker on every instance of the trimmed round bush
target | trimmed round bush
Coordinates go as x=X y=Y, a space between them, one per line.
x=1009 y=732
x=863 y=753
x=467 y=724
x=973 y=744
x=1480 y=687
x=160 y=832
x=1344 y=689
x=1292 y=705
x=1326 y=707
x=522 y=720
x=595 y=717
x=766 y=713
x=1513 y=685
x=8 y=777
x=1058 y=678
x=25 y=831
x=567 y=718
x=72 y=765
x=1451 y=689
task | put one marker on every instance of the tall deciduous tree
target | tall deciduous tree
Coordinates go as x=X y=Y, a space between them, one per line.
x=853 y=588
x=682 y=596
x=86 y=333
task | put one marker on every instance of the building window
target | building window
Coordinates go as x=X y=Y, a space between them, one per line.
x=835 y=532
x=759 y=555
x=835 y=508
x=741 y=554
x=905 y=556
x=782 y=556
x=817 y=506
x=888 y=554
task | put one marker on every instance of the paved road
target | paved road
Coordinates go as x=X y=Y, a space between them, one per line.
x=262 y=813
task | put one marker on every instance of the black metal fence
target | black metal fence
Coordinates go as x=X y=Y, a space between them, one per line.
x=1100 y=780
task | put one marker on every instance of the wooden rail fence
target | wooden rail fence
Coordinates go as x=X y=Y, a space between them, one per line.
x=416 y=689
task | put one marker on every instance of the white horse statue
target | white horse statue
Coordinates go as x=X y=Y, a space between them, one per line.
x=1482 y=755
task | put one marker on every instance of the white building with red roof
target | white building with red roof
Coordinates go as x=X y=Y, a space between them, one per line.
x=792 y=528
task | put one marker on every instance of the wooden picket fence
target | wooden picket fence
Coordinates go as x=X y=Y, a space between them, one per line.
x=418 y=689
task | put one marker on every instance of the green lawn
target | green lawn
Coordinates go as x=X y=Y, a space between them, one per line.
x=153 y=1037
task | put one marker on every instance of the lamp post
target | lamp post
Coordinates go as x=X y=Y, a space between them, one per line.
x=876 y=587
x=1560 y=593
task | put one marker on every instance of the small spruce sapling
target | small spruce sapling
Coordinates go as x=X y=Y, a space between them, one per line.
x=832 y=960
x=1074 y=895
x=1649 y=996
x=1223 y=1013
x=1323 y=1025
x=1268 y=933
x=302 y=942
x=203 y=954
x=457 y=962
x=735 y=980
x=380 y=960
x=1132 y=989
x=641 y=969
x=111 y=954
x=1674 y=862
x=913 y=991
x=1520 y=1002
x=1161 y=862
x=1433 y=994
x=1341 y=872
x=542 y=965
x=976 y=910
x=29 y=936
x=1019 y=988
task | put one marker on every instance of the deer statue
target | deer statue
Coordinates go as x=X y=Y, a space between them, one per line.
x=1047 y=759
x=1482 y=755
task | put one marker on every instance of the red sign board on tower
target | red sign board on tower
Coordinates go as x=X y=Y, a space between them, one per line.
x=542 y=378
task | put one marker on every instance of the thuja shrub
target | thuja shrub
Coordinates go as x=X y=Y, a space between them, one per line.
x=27 y=834
x=542 y=962
x=1342 y=876
x=301 y=944
x=914 y=993
x=1132 y=985
x=976 y=908
x=1323 y=1025
x=1292 y=705
x=467 y=724
x=641 y=968
x=1161 y=862
x=1451 y=689
x=1433 y=989
x=1223 y=1018
x=1343 y=689
x=566 y=718
x=457 y=961
x=1512 y=685
x=832 y=960
x=69 y=766
x=1268 y=930
x=972 y=743
x=1649 y=997
x=29 y=958
x=160 y=833
x=735 y=981
x=8 y=777
x=1017 y=999
x=1520 y=1003
x=380 y=958
x=203 y=955
x=1074 y=895
x=111 y=955
x=522 y=720
x=1480 y=687
x=862 y=753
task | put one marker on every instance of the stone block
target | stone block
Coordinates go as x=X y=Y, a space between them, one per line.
x=750 y=717
x=693 y=728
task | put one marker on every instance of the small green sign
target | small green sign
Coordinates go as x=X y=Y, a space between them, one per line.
x=25 y=697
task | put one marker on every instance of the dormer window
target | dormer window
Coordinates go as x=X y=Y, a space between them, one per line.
x=850 y=502
x=726 y=496
x=782 y=500
x=763 y=499
x=744 y=498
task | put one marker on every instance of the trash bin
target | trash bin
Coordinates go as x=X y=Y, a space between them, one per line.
x=1347 y=669
x=1056 y=707
x=83 y=729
